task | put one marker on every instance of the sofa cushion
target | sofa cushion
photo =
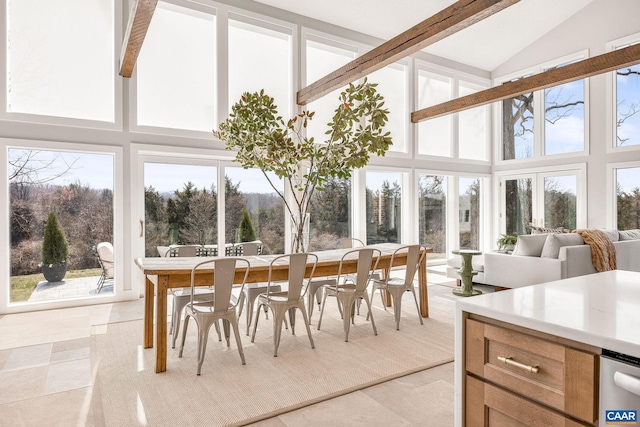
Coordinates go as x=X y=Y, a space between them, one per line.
x=554 y=242
x=530 y=244
x=611 y=234
x=629 y=234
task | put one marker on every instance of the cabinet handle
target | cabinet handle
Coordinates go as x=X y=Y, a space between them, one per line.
x=511 y=362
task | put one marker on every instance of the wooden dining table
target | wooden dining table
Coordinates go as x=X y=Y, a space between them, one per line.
x=162 y=274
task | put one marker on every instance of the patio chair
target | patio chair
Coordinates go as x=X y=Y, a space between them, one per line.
x=398 y=286
x=104 y=253
x=208 y=313
x=347 y=294
x=183 y=250
x=288 y=301
x=181 y=296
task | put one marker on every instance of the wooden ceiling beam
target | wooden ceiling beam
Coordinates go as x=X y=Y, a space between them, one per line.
x=606 y=62
x=450 y=20
x=139 y=20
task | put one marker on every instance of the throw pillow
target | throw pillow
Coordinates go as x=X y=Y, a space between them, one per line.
x=611 y=234
x=629 y=234
x=554 y=242
x=530 y=244
x=544 y=230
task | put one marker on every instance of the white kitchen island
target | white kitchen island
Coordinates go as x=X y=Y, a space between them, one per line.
x=599 y=311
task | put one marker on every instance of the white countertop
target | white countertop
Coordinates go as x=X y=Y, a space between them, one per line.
x=600 y=309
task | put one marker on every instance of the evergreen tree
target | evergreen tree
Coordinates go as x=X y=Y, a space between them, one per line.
x=55 y=248
x=246 y=232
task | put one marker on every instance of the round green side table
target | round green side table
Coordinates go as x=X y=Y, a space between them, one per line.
x=466 y=273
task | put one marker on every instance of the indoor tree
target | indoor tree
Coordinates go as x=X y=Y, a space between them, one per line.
x=264 y=141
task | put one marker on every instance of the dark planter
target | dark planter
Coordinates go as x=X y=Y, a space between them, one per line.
x=55 y=273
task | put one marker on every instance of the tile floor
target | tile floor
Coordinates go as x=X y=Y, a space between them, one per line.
x=46 y=374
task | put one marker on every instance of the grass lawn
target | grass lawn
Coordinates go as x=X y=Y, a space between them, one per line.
x=22 y=286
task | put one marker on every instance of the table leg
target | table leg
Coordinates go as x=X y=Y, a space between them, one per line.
x=161 y=324
x=422 y=288
x=148 y=313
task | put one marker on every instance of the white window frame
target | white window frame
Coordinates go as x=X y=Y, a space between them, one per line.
x=538 y=174
x=117 y=124
x=612 y=196
x=612 y=105
x=453 y=207
x=221 y=38
x=123 y=289
x=538 y=116
x=456 y=77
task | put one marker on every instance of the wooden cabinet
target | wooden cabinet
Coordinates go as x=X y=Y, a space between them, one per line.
x=516 y=376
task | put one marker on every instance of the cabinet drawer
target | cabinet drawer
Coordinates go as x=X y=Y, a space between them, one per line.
x=534 y=366
x=491 y=406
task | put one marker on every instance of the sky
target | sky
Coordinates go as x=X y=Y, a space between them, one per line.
x=93 y=170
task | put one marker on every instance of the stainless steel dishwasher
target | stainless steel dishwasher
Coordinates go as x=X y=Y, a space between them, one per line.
x=619 y=389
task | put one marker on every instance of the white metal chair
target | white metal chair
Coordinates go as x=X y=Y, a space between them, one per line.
x=208 y=313
x=315 y=286
x=398 y=286
x=104 y=253
x=252 y=290
x=281 y=302
x=181 y=296
x=348 y=293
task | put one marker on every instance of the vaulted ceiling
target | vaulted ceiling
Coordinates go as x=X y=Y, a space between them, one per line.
x=484 y=45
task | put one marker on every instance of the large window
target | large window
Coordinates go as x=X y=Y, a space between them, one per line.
x=323 y=57
x=330 y=216
x=473 y=127
x=627 y=99
x=628 y=106
x=383 y=210
x=517 y=127
x=248 y=190
x=627 y=202
x=550 y=199
x=60 y=58
x=176 y=70
x=260 y=58
x=547 y=122
x=65 y=183
x=180 y=205
x=432 y=214
x=469 y=198
x=392 y=85
x=434 y=135
x=564 y=118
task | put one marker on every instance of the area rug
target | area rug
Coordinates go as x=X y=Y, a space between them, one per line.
x=127 y=391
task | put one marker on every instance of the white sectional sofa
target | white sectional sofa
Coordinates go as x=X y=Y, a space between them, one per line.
x=547 y=257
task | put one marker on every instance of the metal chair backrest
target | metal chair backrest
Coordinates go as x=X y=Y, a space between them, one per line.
x=298 y=264
x=250 y=248
x=415 y=255
x=368 y=259
x=351 y=242
x=105 y=258
x=224 y=272
x=183 y=251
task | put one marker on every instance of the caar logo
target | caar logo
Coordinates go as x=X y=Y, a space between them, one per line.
x=621 y=417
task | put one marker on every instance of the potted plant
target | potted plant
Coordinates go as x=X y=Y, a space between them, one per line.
x=507 y=242
x=55 y=250
x=264 y=141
